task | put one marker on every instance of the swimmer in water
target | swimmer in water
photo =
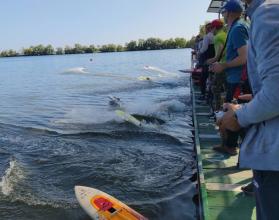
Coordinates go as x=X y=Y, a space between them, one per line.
x=114 y=101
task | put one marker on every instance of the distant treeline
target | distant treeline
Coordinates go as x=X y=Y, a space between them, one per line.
x=148 y=44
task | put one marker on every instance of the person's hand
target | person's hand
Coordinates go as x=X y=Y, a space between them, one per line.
x=217 y=67
x=209 y=61
x=229 y=121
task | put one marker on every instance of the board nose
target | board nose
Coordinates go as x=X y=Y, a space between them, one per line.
x=79 y=190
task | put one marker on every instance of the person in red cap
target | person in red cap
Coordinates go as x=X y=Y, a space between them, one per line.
x=218 y=82
x=219 y=40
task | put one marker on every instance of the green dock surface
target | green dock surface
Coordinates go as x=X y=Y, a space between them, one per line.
x=218 y=176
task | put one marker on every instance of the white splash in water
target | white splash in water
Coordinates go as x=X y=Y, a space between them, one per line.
x=77 y=70
x=87 y=115
x=11 y=177
x=146 y=107
x=141 y=106
x=172 y=106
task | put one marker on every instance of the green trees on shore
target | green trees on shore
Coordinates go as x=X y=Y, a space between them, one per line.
x=39 y=50
x=157 y=44
x=8 y=53
x=141 y=44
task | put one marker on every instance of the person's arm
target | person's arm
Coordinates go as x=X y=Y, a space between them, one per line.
x=218 y=52
x=246 y=97
x=239 y=41
x=205 y=44
x=240 y=60
x=265 y=38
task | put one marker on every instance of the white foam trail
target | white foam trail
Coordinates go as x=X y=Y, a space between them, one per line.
x=11 y=177
x=90 y=116
x=172 y=106
x=87 y=115
x=146 y=107
x=142 y=106
x=77 y=70
x=163 y=72
x=114 y=76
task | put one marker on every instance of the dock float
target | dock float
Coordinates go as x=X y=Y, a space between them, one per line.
x=219 y=178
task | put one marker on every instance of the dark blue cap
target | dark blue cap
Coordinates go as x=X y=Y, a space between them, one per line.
x=233 y=6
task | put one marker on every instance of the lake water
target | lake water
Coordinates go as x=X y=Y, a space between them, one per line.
x=57 y=130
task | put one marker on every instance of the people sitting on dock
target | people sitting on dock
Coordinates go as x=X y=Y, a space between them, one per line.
x=260 y=116
x=236 y=57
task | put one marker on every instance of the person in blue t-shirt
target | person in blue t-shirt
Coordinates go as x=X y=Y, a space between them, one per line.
x=236 y=57
x=236 y=47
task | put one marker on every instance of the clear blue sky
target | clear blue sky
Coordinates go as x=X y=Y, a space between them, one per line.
x=65 y=22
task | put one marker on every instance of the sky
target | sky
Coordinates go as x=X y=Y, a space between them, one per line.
x=66 y=22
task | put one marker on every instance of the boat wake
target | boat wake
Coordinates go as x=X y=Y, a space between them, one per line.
x=75 y=70
x=162 y=73
x=12 y=176
x=14 y=188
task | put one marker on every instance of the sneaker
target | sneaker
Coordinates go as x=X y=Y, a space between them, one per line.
x=248 y=189
x=232 y=151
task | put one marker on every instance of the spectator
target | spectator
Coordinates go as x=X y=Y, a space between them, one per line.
x=218 y=83
x=206 y=52
x=260 y=148
x=236 y=48
x=236 y=57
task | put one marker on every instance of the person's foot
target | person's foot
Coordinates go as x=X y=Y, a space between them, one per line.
x=248 y=189
x=211 y=116
x=232 y=151
x=218 y=146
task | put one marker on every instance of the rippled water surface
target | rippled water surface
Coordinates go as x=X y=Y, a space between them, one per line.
x=57 y=130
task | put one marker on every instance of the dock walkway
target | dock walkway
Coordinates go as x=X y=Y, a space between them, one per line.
x=218 y=176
